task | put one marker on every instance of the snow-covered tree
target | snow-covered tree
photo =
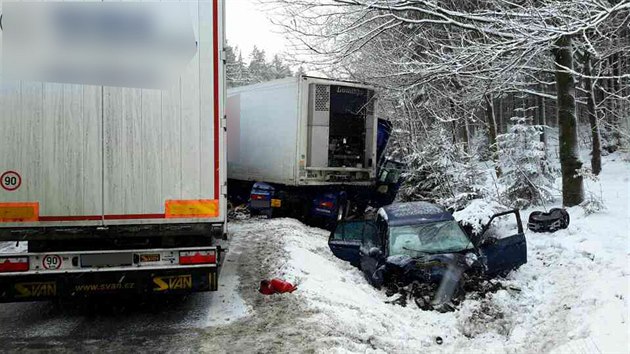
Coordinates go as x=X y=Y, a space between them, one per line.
x=446 y=57
x=526 y=172
x=278 y=68
x=235 y=68
x=258 y=70
x=441 y=171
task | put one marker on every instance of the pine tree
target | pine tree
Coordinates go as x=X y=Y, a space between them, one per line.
x=278 y=69
x=235 y=69
x=526 y=172
x=442 y=172
x=258 y=68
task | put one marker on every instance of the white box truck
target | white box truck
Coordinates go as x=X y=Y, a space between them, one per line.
x=115 y=189
x=306 y=147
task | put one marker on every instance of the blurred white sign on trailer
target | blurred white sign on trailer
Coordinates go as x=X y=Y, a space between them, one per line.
x=123 y=44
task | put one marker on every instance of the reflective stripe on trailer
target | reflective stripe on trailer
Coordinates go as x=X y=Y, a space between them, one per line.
x=180 y=209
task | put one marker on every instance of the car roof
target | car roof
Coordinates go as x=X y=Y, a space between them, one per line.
x=415 y=213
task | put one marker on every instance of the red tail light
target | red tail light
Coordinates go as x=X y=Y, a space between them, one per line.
x=197 y=257
x=13 y=264
x=327 y=205
x=258 y=197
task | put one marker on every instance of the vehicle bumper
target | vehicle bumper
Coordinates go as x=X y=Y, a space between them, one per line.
x=154 y=281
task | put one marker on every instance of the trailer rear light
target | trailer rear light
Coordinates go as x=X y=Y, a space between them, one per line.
x=197 y=257
x=13 y=264
x=327 y=205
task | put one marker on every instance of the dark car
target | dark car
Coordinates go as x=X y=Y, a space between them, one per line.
x=420 y=241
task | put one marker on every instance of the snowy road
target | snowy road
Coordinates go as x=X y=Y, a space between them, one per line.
x=209 y=322
x=177 y=324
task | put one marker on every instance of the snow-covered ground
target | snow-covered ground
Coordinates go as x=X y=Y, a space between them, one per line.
x=573 y=294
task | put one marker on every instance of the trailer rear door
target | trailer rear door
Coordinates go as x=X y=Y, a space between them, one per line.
x=84 y=155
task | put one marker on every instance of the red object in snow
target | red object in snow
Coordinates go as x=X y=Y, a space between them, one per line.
x=276 y=286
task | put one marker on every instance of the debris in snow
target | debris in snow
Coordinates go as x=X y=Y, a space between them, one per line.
x=424 y=294
x=552 y=221
x=240 y=212
x=486 y=317
x=276 y=286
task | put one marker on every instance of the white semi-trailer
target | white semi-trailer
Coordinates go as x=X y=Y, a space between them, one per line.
x=305 y=146
x=115 y=189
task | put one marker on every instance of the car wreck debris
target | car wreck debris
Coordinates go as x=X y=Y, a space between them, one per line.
x=276 y=286
x=552 y=221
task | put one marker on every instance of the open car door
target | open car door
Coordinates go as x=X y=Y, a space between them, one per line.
x=345 y=241
x=501 y=253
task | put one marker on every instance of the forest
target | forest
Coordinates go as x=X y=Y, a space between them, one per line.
x=480 y=80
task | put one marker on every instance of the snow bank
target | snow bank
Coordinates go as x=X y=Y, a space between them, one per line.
x=573 y=292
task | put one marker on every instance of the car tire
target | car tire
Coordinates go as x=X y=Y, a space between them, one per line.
x=563 y=215
x=566 y=218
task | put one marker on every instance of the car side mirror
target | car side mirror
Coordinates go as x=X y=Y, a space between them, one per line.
x=375 y=252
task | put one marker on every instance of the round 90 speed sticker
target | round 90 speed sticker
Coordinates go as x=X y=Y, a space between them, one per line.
x=52 y=261
x=10 y=180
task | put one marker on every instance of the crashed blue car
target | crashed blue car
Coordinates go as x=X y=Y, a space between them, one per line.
x=421 y=242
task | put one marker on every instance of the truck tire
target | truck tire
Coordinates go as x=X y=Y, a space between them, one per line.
x=342 y=209
x=341 y=212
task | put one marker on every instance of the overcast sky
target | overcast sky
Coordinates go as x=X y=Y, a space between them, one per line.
x=248 y=26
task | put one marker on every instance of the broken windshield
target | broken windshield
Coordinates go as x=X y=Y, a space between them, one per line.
x=437 y=237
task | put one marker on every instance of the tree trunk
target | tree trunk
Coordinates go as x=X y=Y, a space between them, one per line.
x=491 y=123
x=466 y=135
x=453 y=123
x=542 y=117
x=596 y=153
x=499 y=116
x=572 y=185
x=616 y=104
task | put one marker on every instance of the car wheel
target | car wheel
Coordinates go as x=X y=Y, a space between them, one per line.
x=367 y=277
x=565 y=218
x=562 y=215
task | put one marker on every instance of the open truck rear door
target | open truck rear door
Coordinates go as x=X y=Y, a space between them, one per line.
x=502 y=254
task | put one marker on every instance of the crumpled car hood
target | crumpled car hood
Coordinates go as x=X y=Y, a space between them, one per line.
x=428 y=268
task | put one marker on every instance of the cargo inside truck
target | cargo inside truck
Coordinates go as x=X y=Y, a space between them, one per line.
x=341 y=131
x=348 y=112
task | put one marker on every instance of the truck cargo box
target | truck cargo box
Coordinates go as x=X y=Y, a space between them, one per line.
x=302 y=131
x=90 y=156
